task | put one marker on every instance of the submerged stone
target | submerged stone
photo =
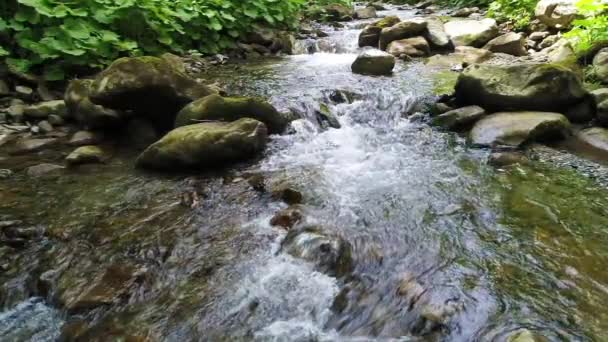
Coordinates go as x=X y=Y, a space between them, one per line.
x=206 y=145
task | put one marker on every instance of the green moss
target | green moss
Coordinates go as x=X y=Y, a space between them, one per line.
x=444 y=82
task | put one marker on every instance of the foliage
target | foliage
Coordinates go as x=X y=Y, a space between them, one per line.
x=592 y=27
x=519 y=12
x=56 y=34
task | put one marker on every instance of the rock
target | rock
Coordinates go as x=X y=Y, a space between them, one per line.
x=465 y=12
x=43 y=169
x=215 y=107
x=28 y=145
x=474 y=33
x=525 y=335
x=206 y=145
x=581 y=112
x=337 y=12
x=600 y=64
x=515 y=128
x=547 y=42
x=88 y=154
x=374 y=62
x=326 y=118
x=556 y=13
x=412 y=47
x=423 y=4
x=561 y=52
x=405 y=29
x=45 y=127
x=44 y=109
x=330 y=254
x=460 y=117
x=5 y=173
x=503 y=159
x=15 y=111
x=141 y=133
x=511 y=43
x=149 y=86
x=435 y=34
x=82 y=138
x=287 y=194
x=287 y=218
x=370 y=36
x=366 y=13
x=260 y=36
x=539 y=36
x=471 y=55
x=4 y=89
x=56 y=120
x=3 y=118
x=377 y=5
x=595 y=137
x=601 y=99
x=24 y=91
x=86 y=112
x=107 y=288
x=520 y=86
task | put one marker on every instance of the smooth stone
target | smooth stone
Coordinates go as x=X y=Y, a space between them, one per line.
x=43 y=109
x=206 y=145
x=43 y=169
x=601 y=100
x=600 y=64
x=515 y=128
x=474 y=33
x=405 y=29
x=596 y=137
x=435 y=33
x=412 y=47
x=460 y=117
x=370 y=36
x=23 y=90
x=88 y=154
x=510 y=43
x=374 y=62
x=45 y=127
x=56 y=120
x=28 y=145
x=539 y=36
x=82 y=138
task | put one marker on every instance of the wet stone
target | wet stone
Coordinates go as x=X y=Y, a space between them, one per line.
x=43 y=169
x=32 y=145
x=82 y=138
x=45 y=126
x=287 y=194
x=287 y=218
x=86 y=155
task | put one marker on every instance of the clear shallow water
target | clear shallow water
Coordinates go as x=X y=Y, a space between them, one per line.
x=499 y=250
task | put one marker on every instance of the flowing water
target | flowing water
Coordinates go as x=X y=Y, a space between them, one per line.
x=441 y=246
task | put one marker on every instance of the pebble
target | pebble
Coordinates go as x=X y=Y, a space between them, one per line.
x=23 y=90
x=45 y=126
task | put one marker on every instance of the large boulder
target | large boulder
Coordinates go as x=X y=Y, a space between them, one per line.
x=471 y=32
x=601 y=99
x=374 y=62
x=556 y=13
x=218 y=108
x=435 y=34
x=543 y=87
x=81 y=108
x=459 y=118
x=405 y=29
x=510 y=43
x=412 y=47
x=370 y=36
x=151 y=86
x=366 y=13
x=600 y=64
x=206 y=145
x=515 y=128
x=596 y=137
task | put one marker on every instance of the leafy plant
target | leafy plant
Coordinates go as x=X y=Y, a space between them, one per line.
x=53 y=36
x=592 y=27
x=519 y=12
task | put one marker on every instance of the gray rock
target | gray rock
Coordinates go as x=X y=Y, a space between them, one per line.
x=556 y=13
x=366 y=13
x=547 y=42
x=435 y=33
x=28 y=145
x=206 y=145
x=600 y=64
x=405 y=29
x=45 y=126
x=596 y=137
x=465 y=12
x=370 y=36
x=459 y=118
x=4 y=89
x=510 y=43
x=412 y=47
x=89 y=154
x=538 y=36
x=43 y=169
x=43 y=109
x=516 y=128
x=601 y=100
x=56 y=120
x=374 y=62
x=82 y=138
x=474 y=33
x=560 y=52
x=24 y=91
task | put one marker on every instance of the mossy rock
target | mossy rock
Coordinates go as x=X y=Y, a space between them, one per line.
x=542 y=87
x=80 y=107
x=206 y=145
x=151 y=86
x=215 y=107
x=370 y=36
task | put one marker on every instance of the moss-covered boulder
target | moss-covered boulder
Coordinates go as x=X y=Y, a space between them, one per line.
x=80 y=107
x=86 y=155
x=217 y=108
x=543 y=87
x=374 y=62
x=471 y=32
x=370 y=36
x=515 y=128
x=150 y=86
x=206 y=145
x=405 y=29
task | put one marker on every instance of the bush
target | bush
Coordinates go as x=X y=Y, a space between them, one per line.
x=519 y=12
x=51 y=36
x=592 y=28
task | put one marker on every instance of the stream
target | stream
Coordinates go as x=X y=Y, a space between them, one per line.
x=444 y=247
